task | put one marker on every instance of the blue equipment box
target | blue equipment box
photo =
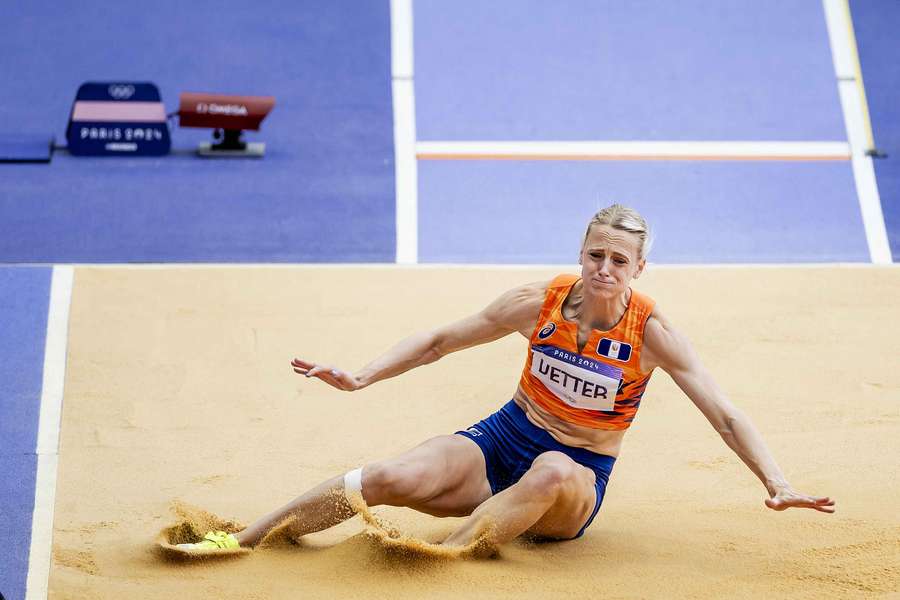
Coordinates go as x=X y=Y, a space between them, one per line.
x=118 y=119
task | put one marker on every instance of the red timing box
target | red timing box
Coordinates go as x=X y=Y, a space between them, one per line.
x=219 y=111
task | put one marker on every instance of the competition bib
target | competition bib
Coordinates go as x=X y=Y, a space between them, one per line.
x=579 y=381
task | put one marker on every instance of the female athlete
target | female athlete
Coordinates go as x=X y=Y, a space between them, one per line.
x=541 y=463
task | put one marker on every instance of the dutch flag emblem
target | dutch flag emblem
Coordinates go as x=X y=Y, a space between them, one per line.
x=614 y=349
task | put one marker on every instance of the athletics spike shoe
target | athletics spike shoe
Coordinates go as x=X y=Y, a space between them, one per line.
x=212 y=541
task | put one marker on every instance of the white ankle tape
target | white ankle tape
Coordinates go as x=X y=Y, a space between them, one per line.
x=353 y=482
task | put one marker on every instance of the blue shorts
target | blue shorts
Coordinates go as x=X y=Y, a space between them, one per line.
x=510 y=443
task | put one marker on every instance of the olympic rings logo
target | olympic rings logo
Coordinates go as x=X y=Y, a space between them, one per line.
x=121 y=91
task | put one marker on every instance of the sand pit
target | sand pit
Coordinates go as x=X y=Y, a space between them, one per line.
x=179 y=388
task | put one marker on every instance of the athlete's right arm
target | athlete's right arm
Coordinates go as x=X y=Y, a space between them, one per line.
x=516 y=310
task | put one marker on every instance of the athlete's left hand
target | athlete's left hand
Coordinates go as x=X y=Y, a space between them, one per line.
x=786 y=498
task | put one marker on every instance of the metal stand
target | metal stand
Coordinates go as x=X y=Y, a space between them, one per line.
x=230 y=145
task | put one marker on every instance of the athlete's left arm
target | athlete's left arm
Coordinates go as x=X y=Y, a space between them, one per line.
x=668 y=349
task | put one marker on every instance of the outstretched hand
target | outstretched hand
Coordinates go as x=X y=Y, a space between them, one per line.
x=787 y=498
x=331 y=375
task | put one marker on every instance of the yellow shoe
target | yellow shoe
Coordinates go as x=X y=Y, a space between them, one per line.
x=214 y=540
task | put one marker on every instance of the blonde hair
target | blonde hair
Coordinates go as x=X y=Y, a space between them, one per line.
x=627 y=219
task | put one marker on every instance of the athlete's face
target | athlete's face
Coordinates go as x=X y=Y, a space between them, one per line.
x=609 y=260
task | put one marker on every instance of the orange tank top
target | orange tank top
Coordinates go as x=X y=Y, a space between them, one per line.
x=599 y=387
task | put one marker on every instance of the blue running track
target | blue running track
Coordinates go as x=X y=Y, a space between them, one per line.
x=24 y=298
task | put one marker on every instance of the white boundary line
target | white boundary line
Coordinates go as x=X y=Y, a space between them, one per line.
x=48 y=433
x=841 y=56
x=405 y=167
x=401 y=39
x=597 y=150
x=860 y=84
x=843 y=52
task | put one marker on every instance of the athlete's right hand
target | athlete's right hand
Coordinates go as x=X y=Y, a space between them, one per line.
x=331 y=375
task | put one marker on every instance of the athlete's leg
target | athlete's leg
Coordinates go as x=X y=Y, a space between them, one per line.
x=444 y=476
x=320 y=508
x=554 y=498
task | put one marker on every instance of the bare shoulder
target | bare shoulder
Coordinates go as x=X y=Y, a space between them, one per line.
x=530 y=293
x=657 y=325
x=664 y=346
x=519 y=307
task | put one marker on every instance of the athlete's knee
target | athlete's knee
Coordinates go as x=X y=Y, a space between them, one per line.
x=396 y=483
x=552 y=472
